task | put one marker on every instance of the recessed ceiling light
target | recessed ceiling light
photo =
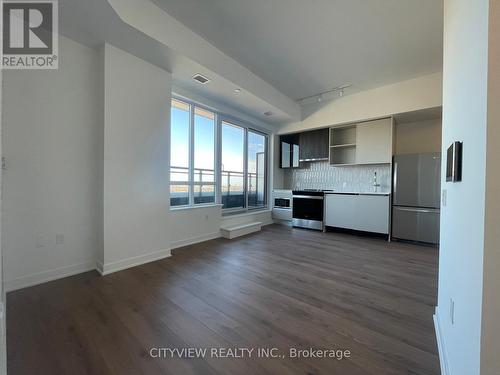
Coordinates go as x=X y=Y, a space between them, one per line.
x=200 y=78
x=237 y=91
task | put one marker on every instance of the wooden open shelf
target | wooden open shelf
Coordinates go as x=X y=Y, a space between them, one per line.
x=343 y=145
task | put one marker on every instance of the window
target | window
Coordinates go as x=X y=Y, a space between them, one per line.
x=256 y=169
x=204 y=156
x=233 y=166
x=215 y=160
x=179 y=153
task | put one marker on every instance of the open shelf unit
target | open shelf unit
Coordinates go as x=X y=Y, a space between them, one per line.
x=343 y=145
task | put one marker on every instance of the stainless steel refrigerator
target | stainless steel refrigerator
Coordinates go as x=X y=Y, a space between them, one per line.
x=416 y=197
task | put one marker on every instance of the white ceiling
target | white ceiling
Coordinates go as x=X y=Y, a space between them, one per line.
x=93 y=22
x=303 y=47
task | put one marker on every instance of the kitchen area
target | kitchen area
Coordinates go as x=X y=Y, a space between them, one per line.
x=378 y=177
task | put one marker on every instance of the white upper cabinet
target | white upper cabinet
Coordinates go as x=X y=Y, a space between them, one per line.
x=374 y=142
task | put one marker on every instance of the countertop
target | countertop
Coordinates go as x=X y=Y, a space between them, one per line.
x=352 y=192
x=282 y=191
x=359 y=192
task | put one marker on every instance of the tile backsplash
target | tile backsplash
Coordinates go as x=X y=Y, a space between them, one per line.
x=321 y=175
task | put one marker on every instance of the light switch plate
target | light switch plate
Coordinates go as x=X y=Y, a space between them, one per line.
x=41 y=240
x=443 y=197
x=59 y=239
x=452 y=311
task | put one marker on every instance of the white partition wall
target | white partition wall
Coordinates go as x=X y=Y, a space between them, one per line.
x=468 y=304
x=136 y=159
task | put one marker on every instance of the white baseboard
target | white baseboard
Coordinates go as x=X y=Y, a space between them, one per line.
x=3 y=343
x=443 y=359
x=107 y=268
x=43 y=277
x=195 y=240
x=61 y=272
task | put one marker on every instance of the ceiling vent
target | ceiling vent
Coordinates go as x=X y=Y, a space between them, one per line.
x=201 y=79
x=268 y=113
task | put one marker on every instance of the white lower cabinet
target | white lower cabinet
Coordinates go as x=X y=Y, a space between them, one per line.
x=340 y=210
x=369 y=213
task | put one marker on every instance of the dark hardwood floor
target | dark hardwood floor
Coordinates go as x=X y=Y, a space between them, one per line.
x=280 y=288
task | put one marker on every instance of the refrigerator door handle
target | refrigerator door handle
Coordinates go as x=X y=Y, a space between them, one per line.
x=395 y=181
x=412 y=209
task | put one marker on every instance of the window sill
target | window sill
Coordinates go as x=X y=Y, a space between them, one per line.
x=245 y=213
x=184 y=208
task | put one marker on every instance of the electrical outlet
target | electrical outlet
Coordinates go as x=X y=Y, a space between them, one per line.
x=59 y=239
x=40 y=241
x=443 y=197
x=452 y=311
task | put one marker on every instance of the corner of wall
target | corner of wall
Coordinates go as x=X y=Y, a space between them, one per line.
x=441 y=343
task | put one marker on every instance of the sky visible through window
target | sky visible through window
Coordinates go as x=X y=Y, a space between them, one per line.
x=179 y=152
x=232 y=158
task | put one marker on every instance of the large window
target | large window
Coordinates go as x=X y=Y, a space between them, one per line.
x=233 y=166
x=215 y=160
x=179 y=153
x=204 y=156
x=257 y=144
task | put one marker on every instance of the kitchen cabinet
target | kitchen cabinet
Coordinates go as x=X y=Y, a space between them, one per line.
x=340 y=210
x=363 y=212
x=364 y=143
x=343 y=145
x=289 y=151
x=286 y=154
x=374 y=142
x=314 y=145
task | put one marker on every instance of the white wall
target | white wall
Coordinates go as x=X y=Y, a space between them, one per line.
x=88 y=154
x=136 y=159
x=51 y=140
x=490 y=341
x=194 y=225
x=3 y=338
x=419 y=136
x=415 y=94
x=198 y=224
x=462 y=218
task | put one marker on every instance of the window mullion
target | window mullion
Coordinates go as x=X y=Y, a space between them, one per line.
x=245 y=168
x=191 y=155
x=218 y=159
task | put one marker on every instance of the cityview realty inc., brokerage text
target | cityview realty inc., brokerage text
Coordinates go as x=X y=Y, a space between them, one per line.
x=248 y=352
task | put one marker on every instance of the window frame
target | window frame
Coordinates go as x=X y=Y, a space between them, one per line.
x=190 y=134
x=219 y=118
x=192 y=166
x=266 y=172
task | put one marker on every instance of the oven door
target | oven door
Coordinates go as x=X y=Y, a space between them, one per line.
x=282 y=202
x=308 y=207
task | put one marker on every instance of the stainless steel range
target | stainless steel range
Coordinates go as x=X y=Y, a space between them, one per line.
x=308 y=210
